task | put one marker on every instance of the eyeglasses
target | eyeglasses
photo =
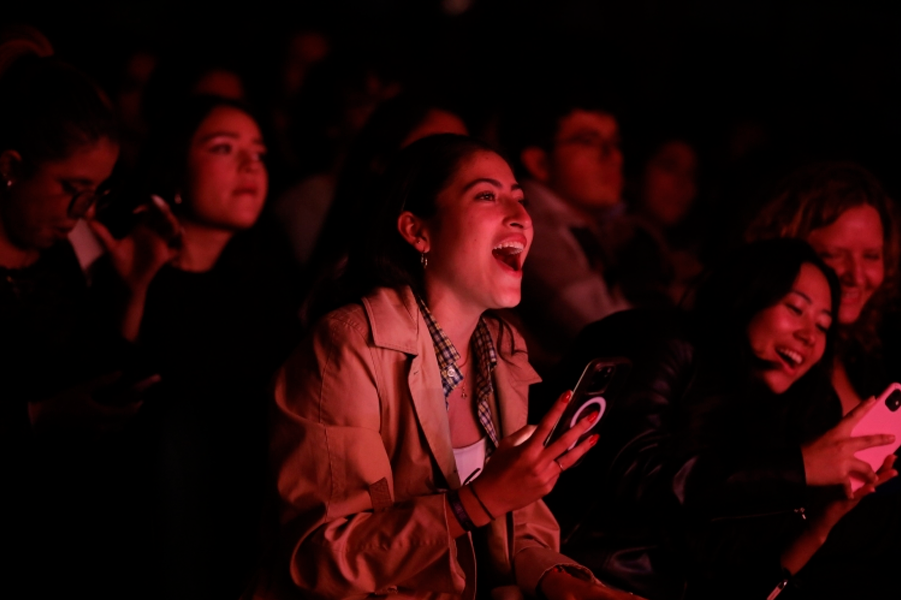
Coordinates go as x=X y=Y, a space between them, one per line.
x=83 y=201
x=592 y=140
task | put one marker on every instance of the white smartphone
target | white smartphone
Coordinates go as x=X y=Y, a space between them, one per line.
x=882 y=418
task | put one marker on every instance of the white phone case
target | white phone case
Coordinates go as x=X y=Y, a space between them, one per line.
x=885 y=417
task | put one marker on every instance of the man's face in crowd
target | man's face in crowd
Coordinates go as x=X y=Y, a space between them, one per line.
x=585 y=164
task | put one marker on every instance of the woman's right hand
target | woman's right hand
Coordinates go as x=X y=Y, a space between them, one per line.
x=152 y=243
x=830 y=460
x=522 y=470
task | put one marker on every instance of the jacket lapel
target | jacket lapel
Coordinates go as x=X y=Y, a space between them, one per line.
x=512 y=378
x=397 y=324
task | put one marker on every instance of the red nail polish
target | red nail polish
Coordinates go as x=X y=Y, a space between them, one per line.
x=593 y=440
x=565 y=398
x=593 y=417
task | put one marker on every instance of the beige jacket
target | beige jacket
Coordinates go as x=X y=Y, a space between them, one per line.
x=362 y=448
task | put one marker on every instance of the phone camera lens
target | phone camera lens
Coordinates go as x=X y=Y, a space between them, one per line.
x=893 y=401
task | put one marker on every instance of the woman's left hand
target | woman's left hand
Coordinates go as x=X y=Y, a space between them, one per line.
x=560 y=585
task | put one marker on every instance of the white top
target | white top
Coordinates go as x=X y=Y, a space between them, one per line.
x=470 y=458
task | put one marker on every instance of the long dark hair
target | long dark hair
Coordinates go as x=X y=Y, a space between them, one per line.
x=413 y=182
x=378 y=142
x=753 y=278
x=48 y=109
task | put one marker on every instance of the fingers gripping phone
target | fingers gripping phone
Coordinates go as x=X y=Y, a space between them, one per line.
x=600 y=380
x=885 y=417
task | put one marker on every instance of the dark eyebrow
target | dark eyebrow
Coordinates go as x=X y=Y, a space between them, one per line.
x=803 y=295
x=490 y=181
x=809 y=301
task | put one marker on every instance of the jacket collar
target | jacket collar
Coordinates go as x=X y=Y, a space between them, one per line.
x=394 y=320
x=397 y=324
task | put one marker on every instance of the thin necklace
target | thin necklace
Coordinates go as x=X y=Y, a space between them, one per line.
x=460 y=366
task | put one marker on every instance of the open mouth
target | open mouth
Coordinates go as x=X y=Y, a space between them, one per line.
x=510 y=254
x=790 y=357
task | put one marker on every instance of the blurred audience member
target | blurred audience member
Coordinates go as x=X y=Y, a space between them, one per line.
x=660 y=259
x=338 y=97
x=219 y=319
x=298 y=54
x=128 y=97
x=570 y=155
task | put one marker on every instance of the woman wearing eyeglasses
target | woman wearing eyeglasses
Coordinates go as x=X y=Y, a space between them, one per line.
x=58 y=145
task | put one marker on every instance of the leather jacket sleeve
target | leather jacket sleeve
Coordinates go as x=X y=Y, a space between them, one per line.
x=738 y=474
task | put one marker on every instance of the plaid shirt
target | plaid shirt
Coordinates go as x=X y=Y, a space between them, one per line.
x=451 y=376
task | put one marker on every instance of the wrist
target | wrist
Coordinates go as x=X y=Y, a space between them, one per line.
x=491 y=514
x=479 y=516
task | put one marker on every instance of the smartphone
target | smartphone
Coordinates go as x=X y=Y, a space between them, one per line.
x=599 y=382
x=882 y=418
x=123 y=213
x=117 y=212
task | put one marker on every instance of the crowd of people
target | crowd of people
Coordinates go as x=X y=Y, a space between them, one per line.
x=318 y=347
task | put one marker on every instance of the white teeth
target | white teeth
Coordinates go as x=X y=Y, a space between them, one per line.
x=515 y=247
x=795 y=358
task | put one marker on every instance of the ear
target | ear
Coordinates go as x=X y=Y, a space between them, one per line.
x=10 y=166
x=535 y=160
x=414 y=231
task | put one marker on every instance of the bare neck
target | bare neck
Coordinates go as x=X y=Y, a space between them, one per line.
x=457 y=320
x=201 y=247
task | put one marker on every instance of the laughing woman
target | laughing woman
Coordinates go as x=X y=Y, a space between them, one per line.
x=844 y=213
x=763 y=462
x=400 y=440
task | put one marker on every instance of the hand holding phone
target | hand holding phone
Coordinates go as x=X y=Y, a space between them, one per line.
x=883 y=418
x=601 y=379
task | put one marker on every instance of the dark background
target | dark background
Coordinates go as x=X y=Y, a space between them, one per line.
x=811 y=79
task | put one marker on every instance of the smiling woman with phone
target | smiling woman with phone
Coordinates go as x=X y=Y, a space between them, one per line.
x=843 y=212
x=763 y=461
x=400 y=438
